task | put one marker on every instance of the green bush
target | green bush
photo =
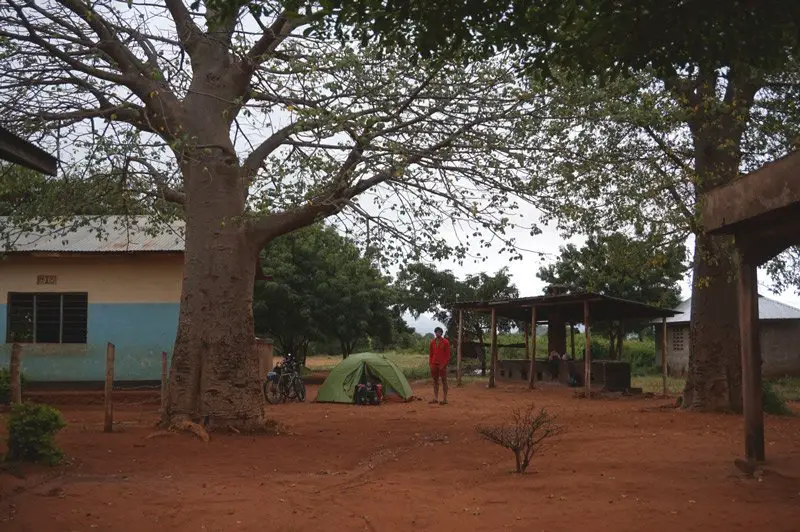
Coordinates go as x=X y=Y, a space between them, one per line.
x=32 y=430
x=5 y=385
x=773 y=402
x=417 y=372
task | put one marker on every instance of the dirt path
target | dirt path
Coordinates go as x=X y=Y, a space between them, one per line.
x=622 y=465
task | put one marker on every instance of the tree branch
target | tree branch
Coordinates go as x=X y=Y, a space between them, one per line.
x=168 y=193
x=336 y=195
x=190 y=35
x=272 y=38
x=668 y=151
x=272 y=143
x=110 y=44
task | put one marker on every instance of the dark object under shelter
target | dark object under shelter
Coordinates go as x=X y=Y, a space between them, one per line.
x=558 y=308
x=762 y=211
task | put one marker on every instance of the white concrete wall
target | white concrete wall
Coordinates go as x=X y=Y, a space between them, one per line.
x=780 y=348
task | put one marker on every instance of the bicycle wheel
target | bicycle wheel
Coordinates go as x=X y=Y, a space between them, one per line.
x=289 y=390
x=272 y=392
x=299 y=389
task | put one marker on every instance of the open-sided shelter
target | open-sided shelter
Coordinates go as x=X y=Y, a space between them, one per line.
x=557 y=308
x=340 y=386
x=762 y=211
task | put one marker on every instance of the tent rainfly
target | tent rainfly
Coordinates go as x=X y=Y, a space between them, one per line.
x=340 y=386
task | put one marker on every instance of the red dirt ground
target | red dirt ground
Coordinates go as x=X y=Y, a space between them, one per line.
x=623 y=465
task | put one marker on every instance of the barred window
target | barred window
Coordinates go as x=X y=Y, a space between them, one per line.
x=47 y=318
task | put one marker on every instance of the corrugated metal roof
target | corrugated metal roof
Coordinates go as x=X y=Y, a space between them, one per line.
x=94 y=234
x=569 y=307
x=768 y=309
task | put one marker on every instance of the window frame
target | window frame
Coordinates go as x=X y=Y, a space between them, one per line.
x=61 y=296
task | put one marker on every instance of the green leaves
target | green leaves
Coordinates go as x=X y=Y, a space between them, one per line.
x=322 y=289
x=645 y=268
x=424 y=289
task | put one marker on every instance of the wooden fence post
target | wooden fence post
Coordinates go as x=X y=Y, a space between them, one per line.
x=459 y=348
x=16 y=378
x=109 y=419
x=164 y=373
x=664 y=355
x=587 y=353
x=532 y=367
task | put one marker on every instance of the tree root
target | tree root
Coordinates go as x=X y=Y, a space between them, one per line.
x=182 y=425
x=187 y=426
x=158 y=434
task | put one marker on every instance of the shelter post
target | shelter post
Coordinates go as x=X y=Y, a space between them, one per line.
x=459 y=348
x=532 y=368
x=527 y=341
x=664 y=356
x=493 y=352
x=587 y=353
x=572 y=339
x=751 y=358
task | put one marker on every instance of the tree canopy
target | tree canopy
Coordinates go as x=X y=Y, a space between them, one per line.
x=256 y=129
x=593 y=35
x=322 y=289
x=641 y=269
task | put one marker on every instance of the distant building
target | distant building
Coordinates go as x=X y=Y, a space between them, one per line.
x=64 y=295
x=780 y=338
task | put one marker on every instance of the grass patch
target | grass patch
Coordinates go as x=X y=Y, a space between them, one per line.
x=787 y=387
x=653 y=384
x=403 y=360
x=774 y=402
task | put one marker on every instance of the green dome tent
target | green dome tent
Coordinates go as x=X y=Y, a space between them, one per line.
x=340 y=386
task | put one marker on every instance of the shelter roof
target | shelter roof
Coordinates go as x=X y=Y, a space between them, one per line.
x=19 y=151
x=756 y=200
x=569 y=307
x=768 y=309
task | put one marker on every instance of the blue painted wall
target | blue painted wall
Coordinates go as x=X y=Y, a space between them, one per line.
x=140 y=332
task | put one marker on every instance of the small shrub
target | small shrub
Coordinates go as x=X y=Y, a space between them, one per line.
x=787 y=387
x=5 y=385
x=773 y=402
x=524 y=434
x=32 y=430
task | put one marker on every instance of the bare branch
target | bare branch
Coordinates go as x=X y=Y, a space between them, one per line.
x=273 y=37
x=165 y=191
x=189 y=33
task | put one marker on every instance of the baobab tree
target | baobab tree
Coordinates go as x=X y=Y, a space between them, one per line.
x=256 y=129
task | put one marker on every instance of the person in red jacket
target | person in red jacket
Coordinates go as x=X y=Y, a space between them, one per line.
x=438 y=360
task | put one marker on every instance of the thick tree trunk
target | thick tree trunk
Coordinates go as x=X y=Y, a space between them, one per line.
x=214 y=377
x=718 y=125
x=714 y=377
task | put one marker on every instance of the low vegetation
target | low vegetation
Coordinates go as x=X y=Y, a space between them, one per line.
x=524 y=434
x=32 y=429
x=774 y=402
